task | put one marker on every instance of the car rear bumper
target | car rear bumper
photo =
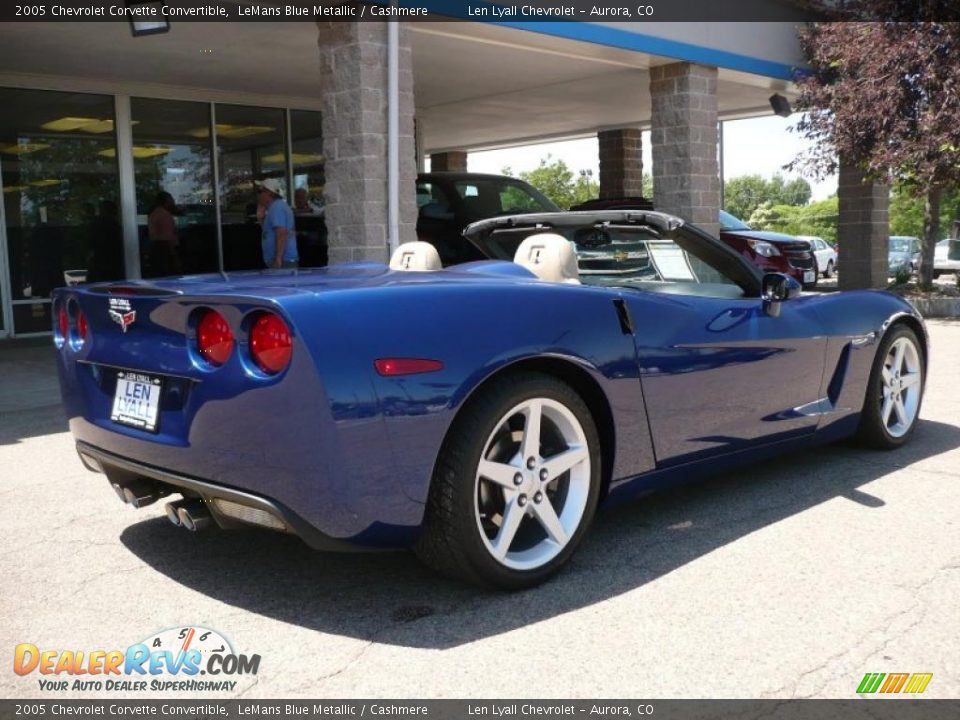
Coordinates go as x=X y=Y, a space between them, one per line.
x=124 y=472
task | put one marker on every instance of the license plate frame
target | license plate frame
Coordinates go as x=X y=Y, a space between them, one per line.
x=136 y=400
x=809 y=276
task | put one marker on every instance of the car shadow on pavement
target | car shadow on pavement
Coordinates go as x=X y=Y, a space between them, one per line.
x=390 y=598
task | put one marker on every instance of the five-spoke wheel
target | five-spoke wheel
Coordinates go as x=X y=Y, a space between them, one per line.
x=516 y=484
x=895 y=389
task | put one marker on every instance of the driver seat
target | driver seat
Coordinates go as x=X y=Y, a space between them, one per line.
x=550 y=257
x=417 y=256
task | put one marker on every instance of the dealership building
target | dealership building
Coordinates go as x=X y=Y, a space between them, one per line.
x=97 y=121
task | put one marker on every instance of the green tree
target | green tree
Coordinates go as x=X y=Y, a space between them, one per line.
x=818 y=218
x=559 y=183
x=906 y=211
x=744 y=194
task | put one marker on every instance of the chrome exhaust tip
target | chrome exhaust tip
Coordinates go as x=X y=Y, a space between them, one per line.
x=139 y=493
x=193 y=515
x=172 y=515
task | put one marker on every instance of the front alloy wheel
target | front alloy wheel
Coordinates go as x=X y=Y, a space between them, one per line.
x=516 y=484
x=894 y=391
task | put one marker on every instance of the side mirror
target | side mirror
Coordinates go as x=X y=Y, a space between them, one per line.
x=775 y=289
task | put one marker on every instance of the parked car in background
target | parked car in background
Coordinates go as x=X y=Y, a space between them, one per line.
x=824 y=254
x=942 y=264
x=449 y=201
x=904 y=254
x=769 y=251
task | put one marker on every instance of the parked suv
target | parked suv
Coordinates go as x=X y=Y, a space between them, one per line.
x=449 y=201
x=770 y=251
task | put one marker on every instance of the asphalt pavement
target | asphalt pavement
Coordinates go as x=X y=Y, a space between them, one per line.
x=791 y=579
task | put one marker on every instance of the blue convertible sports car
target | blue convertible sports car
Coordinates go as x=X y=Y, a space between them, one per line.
x=479 y=413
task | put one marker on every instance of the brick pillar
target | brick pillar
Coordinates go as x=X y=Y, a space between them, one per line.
x=455 y=161
x=684 y=141
x=863 y=233
x=353 y=82
x=621 y=163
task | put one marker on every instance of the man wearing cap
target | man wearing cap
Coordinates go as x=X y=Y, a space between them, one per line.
x=279 y=238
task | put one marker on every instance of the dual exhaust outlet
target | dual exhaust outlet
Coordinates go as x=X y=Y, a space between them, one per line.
x=189 y=513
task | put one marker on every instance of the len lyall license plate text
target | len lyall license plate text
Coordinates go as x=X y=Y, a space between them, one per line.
x=136 y=401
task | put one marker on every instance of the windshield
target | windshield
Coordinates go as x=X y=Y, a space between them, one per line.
x=729 y=222
x=901 y=244
x=488 y=197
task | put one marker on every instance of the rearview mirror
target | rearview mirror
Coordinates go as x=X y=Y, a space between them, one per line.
x=775 y=289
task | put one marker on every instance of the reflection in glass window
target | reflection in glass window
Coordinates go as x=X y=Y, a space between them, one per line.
x=60 y=195
x=173 y=170
x=250 y=145
x=308 y=181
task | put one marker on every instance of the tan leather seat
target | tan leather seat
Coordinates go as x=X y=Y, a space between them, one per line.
x=418 y=256
x=550 y=257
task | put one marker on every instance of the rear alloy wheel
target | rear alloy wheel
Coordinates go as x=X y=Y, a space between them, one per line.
x=895 y=390
x=516 y=484
x=828 y=273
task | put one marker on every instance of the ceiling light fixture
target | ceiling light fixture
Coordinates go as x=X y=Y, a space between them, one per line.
x=151 y=20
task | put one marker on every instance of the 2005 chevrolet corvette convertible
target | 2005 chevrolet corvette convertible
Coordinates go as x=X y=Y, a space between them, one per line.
x=479 y=413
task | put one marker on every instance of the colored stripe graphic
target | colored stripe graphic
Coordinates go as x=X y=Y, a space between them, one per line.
x=914 y=683
x=894 y=683
x=870 y=682
x=918 y=682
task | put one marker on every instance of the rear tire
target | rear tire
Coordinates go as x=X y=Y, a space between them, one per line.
x=828 y=273
x=511 y=498
x=891 y=407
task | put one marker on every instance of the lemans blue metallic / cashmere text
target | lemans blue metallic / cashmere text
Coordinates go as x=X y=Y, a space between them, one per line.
x=478 y=413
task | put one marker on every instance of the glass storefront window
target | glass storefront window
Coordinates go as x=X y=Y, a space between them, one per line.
x=306 y=138
x=251 y=144
x=60 y=196
x=173 y=171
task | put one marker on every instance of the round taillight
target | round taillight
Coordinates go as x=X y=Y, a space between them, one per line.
x=214 y=338
x=270 y=343
x=82 y=326
x=63 y=321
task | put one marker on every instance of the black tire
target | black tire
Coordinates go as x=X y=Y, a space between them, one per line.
x=828 y=273
x=873 y=431
x=451 y=541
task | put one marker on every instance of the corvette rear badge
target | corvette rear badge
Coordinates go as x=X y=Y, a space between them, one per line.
x=121 y=313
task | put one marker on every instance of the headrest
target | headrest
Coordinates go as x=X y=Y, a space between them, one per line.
x=418 y=255
x=550 y=257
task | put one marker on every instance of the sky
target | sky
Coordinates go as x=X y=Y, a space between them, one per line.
x=755 y=146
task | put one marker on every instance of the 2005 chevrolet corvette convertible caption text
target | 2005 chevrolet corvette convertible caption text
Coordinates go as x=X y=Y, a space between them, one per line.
x=478 y=413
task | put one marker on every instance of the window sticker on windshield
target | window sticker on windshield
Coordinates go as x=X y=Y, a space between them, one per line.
x=671 y=262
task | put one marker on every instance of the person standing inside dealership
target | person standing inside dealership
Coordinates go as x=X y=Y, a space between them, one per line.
x=278 y=238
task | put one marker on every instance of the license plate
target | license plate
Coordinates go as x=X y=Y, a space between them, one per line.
x=809 y=276
x=136 y=401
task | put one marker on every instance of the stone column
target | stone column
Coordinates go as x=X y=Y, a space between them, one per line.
x=621 y=163
x=684 y=141
x=864 y=230
x=455 y=161
x=353 y=83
